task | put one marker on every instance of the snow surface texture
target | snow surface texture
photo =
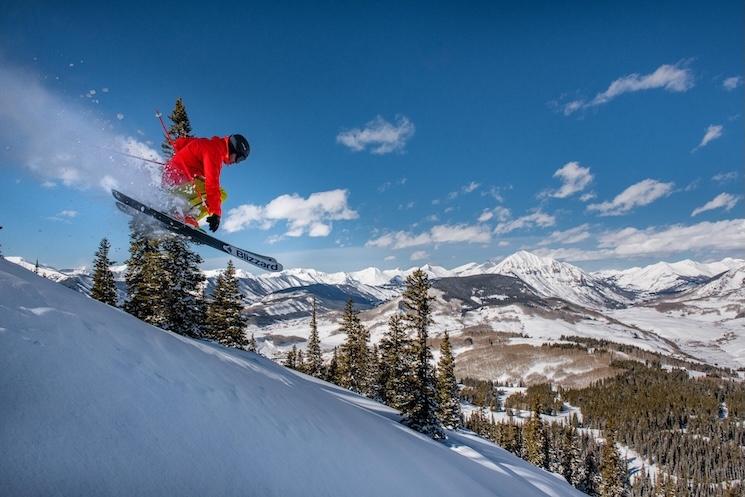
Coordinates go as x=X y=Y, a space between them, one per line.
x=95 y=402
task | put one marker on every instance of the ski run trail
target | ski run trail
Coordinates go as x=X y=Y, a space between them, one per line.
x=95 y=402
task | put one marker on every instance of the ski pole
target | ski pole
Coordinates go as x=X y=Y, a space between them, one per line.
x=165 y=131
x=133 y=156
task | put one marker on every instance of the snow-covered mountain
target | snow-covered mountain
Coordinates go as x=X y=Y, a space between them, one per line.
x=96 y=402
x=668 y=278
x=729 y=285
x=552 y=278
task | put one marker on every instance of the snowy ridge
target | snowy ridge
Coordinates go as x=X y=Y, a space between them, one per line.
x=666 y=278
x=102 y=404
x=729 y=285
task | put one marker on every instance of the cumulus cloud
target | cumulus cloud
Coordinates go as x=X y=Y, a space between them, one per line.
x=379 y=136
x=707 y=237
x=537 y=218
x=732 y=82
x=572 y=235
x=713 y=132
x=444 y=233
x=673 y=78
x=642 y=193
x=724 y=201
x=574 y=178
x=77 y=148
x=419 y=255
x=311 y=215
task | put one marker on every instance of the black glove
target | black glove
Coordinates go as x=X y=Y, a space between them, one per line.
x=214 y=222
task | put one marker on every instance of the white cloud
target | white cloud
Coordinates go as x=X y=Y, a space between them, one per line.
x=119 y=116
x=419 y=255
x=48 y=184
x=443 y=233
x=725 y=177
x=500 y=213
x=642 y=193
x=713 y=132
x=503 y=243
x=586 y=197
x=732 y=82
x=536 y=218
x=470 y=187
x=572 y=235
x=668 y=77
x=390 y=258
x=724 y=200
x=574 y=178
x=68 y=214
x=379 y=135
x=707 y=237
x=310 y=215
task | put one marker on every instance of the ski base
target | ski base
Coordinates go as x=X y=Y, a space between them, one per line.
x=130 y=206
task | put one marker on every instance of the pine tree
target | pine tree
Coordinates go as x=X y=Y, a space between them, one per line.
x=36 y=266
x=144 y=277
x=252 y=345
x=420 y=412
x=291 y=357
x=396 y=364
x=373 y=374
x=300 y=361
x=534 y=448
x=447 y=387
x=611 y=484
x=225 y=321
x=181 y=126
x=332 y=370
x=314 y=364
x=104 y=288
x=354 y=355
x=184 y=308
x=575 y=471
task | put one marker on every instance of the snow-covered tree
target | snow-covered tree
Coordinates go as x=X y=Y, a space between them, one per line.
x=291 y=357
x=354 y=354
x=534 y=442
x=611 y=480
x=225 y=321
x=183 y=305
x=447 y=387
x=396 y=364
x=144 y=277
x=181 y=126
x=420 y=412
x=104 y=287
x=252 y=345
x=331 y=373
x=314 y=365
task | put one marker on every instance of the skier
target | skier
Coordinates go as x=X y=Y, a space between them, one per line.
x=193 y=173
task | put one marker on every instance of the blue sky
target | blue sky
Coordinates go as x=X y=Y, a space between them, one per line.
x=387 y=134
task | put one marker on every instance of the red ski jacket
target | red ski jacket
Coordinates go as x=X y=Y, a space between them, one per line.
x=199 y=157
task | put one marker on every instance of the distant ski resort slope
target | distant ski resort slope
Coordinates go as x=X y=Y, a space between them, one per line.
x=94 y=402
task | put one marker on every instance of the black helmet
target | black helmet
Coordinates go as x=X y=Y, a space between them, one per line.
x=238 y=145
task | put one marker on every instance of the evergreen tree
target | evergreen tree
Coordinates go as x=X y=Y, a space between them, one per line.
x=332 y=370
x=373 y=374
x=300 y=361
x=181 y=126
x=144 y=277
x=252 y=345
x=396 y=365
x=420 y=412
x=291 y=357
x=534 y=448
x=225 y=321
x=611 y=482
x=354 y=355
x=574 y=467
x=36 y=266
x=184 y=308
x=104 y=288
x=315 y=360
x=447 y=387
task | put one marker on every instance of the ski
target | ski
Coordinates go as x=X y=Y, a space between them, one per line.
x=130 y=206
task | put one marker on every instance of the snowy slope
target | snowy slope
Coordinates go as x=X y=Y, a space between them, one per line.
x=95 y=402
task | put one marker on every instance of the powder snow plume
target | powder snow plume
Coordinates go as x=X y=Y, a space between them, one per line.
x=61 y=142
